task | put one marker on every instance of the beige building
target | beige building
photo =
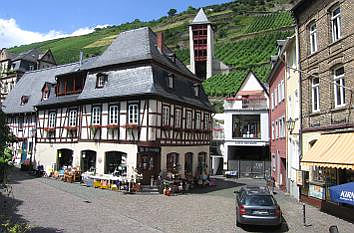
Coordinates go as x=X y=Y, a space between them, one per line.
x=326 y=39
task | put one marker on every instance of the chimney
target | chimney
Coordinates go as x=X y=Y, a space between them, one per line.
x=160 y=41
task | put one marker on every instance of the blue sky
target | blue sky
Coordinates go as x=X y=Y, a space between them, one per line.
x=51 y=19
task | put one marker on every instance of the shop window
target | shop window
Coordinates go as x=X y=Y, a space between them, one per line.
x=172 y=162
x=246 y=126
x=188 y=164
x=115 y=162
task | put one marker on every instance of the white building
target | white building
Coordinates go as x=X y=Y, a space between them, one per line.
x=135 y=105
x=247 y=129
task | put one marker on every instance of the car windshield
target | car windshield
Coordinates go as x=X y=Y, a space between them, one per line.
x=259 y=200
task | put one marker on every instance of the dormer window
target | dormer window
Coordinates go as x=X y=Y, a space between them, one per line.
x=172 y=57
x=24 y=100
x=31 y=67
x=171 y=80
x=101 y=80
x=45 y=95
x=196 y=90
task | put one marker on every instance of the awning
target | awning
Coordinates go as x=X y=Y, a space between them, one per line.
x=343 y=193
x=332 y=150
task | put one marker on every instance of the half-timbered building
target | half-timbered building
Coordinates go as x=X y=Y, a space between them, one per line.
x=136 y=106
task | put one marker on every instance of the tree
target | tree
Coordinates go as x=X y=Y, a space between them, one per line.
x=172 y=12
x=5 y=153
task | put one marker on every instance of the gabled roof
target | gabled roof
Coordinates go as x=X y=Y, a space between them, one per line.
x=136 y=45
x=6 y=55
x=30 y=55
x=247 y=77
x=201 y=18
x=31 y=85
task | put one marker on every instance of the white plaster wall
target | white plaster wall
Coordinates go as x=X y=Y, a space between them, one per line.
x=182 y=150
x=191 y=51
x=264 y=126
x=210 y=51
x=47 y=153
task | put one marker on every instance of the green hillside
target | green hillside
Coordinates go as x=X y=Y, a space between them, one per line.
x=245 y=31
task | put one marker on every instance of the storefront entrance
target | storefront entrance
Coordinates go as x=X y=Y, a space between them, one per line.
x=88 y=160
x=148 y=164
x=64 y=158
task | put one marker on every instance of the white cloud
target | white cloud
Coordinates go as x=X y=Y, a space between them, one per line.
x=12 y=34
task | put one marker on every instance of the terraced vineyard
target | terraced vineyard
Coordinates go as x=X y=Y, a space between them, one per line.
x=249 y=52
x=271 y=21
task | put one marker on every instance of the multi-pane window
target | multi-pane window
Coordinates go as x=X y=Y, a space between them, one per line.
x=133 y=113
x=96 y=115
x=197 y=121
x=189 y=120
x=339 y=87
x=313 y=38
x=52 y=119
x=272 y=100
x=72 y=117
x=315 y=94
x=336 y=24
x=101 y=80
x=166 y=116
x=276 y=129
x=282 y=85
x=275 y=97
x=113 y=114
x=178 y=118
x=206 y=121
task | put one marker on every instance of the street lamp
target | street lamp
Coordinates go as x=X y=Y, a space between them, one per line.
x=290 y=125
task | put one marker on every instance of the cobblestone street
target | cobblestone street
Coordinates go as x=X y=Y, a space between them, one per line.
x=54 y=206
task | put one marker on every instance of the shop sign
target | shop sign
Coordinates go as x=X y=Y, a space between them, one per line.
x=299 y=178
x=316 y=191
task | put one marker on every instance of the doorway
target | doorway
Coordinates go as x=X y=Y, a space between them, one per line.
x=64 y=158
x=148 y=165
x=88 y=160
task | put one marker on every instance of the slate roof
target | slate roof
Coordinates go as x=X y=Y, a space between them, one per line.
x=30 y=55
x=142 y=79
x=136 y=45
x=30 y=85
x=201 y=18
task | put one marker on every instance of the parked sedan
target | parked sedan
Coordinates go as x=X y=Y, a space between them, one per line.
x=257 y=206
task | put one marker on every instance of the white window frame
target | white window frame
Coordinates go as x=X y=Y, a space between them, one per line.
x=133 y=113
x=198 y=120
x=339 y=88
x=165 y=115
x=206 y=121
x=276 y=129
x=96 y=115
x=101 y=80
x=72 y=118
x=178 y=118
x=313 y=38
x=273 y=133
x=113 y=115
x=315 y=88
x=52 y=119
x=336 y=24
x=282 y=89
x=189 y=120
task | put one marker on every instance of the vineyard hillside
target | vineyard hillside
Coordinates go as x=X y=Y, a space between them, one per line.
x=245 y=32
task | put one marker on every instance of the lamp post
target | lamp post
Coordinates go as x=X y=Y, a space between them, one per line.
x=290 y=125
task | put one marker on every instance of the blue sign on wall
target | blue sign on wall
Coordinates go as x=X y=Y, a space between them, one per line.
x=343 y=193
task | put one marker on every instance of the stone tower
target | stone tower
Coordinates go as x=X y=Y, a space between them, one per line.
x=201 y=44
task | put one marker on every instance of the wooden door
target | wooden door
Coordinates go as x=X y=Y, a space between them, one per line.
x=148 y=165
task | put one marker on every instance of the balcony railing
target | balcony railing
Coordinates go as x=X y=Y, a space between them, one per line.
x=235 y=103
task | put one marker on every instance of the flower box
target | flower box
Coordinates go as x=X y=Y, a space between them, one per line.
x=131 y=126
x=95 y=126
x=49 y=129
x=71 y=128
x=112 y=126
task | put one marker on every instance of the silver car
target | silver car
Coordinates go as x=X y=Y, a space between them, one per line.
x=257 y=206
